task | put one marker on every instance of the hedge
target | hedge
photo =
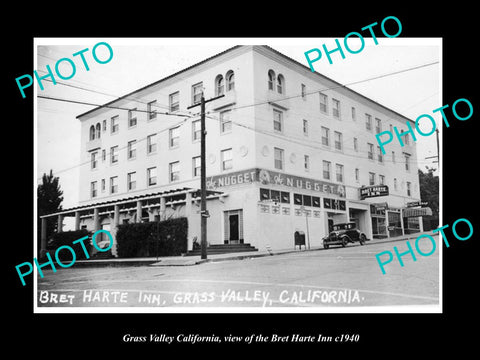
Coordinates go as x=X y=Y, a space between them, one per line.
x=165 y=238
x=67 y=238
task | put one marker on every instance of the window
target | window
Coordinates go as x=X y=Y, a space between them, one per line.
x=306 y=162
x=409 y=188
x=339 y=172
x=368 y=122
x=114 y=125
x=325 y=136
x=114 y=185
x=395 y=184
x=131 y=181
x=113 y=154
x=407 y=162
x=338 y=140
x=323 y=103
x=151 y=143
x=103 y=185
x=336 y=108
x=230 y=80
x=174 y=135
x=370 y=151
x=304 y=92
x=355 y=144
x=131 y=149
x=279 y=158
x=152 y=176
x=174 y=101
x=197 y=92
x=378 y=125
x=225 y=122
x=98 y=130
x=354 y=115
x=393 y=157
x=152 y=114
x=104 y=155
x=196 y=130
x=226 y=156
x=280 y=84
x=132 y=120
x=357 y=174
x=391 y=128
x=271 y=80
x=371 y=178
x=381 y=179
x=277 y=120
x=92 y=133
x=93 y=160
x=219 y=85
x=380 y=154
x=93 y=189
x=196 y=164
x=104 y=125
x=305 y=127
x=326 y=170
x=174 y=171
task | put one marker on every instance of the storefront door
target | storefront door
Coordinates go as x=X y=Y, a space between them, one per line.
x=233 y=227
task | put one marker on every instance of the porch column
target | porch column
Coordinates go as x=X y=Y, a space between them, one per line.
x=139 y=211
x=116 y=217
x=96 y=220
x=162 y=208
x=188 y=204
x=401 y=221
x=43 y=240
x=77 y=220
x=59 y=223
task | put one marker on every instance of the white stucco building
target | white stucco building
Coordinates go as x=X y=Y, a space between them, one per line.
x=286 y=148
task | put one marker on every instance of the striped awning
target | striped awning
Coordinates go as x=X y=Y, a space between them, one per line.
x=414 y=212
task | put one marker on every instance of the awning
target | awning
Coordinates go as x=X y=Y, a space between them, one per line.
x=411 y=212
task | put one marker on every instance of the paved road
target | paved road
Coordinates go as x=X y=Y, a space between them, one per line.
x=320 y=280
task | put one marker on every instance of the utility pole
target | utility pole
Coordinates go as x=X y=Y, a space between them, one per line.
x=203 y=183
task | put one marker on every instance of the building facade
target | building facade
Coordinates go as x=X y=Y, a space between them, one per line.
x=287 y=150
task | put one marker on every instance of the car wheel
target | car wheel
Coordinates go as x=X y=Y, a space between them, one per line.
x=344 y=242
x=362 y=239
x=325 y=246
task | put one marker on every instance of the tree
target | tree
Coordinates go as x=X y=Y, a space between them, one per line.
x=429 y=192
x=49 y=200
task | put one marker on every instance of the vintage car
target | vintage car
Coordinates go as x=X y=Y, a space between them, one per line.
x=344 y=233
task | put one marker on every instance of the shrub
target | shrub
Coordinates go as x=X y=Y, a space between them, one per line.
x=166 y=238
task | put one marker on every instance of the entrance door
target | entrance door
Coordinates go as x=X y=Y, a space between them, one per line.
x=234 y=233
x=233 y=227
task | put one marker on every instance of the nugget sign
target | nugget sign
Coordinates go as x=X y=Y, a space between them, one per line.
x=373 y=191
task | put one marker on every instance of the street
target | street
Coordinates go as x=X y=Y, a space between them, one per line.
x=316 y=280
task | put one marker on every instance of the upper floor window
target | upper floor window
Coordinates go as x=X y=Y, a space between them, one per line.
x=132 y=120
x=325 y=136
x=368 y=121
x=277 y=120
x=271 y=80
x=152 y=114
x=197 y=93
x=336 y=108
x=378 y=125
x=98 y=130
x=114 y=125
x=230 y=78
x=92 y=133
x=219 y=85
x=151 y=143
x=225 y=122
x=280 y=84
x=196 y=130
x=174 y=137
x=131 y=149
x=304 y=92
x=226 y=156
x=278 y=158
x=323 y=103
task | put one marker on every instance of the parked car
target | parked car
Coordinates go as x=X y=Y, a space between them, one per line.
x=344 y=233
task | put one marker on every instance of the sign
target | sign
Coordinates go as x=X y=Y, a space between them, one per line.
x=266 y=177
x=417 y=203
x=373 y=191
x=411 y=212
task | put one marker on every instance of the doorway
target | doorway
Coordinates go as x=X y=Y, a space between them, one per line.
x=233 y=227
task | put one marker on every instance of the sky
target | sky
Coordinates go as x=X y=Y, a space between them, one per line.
x=138 y=62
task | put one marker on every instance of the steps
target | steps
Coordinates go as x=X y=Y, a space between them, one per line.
x=223 y=249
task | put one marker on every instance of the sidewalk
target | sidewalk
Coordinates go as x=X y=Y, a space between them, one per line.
x=195 y=260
